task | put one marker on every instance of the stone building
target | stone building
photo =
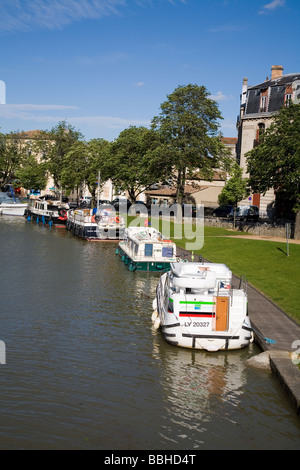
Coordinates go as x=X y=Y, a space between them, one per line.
x=258 y=105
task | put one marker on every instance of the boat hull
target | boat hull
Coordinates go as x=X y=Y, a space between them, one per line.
x=81 y=224
x=45 y=219
x=93 y=232
x=211 y=321
x=211 y=343
x=13 y=209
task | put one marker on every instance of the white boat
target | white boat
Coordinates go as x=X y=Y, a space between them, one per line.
x=47 y=212
x=11 y=205
x=146 y=249
x=196 y=307
x=103 y=225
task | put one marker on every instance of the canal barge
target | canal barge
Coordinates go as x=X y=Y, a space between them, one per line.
x=11 y=205
x=146 y=249
x=49 y=212
x=100 y=225
x=196 y=307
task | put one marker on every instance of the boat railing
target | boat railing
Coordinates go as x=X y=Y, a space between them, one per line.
x=243 y=284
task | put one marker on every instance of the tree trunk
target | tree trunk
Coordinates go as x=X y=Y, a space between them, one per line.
x=180 y=186
x=297 y=226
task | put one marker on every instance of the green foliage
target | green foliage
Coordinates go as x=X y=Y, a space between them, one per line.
x=55 y=144
x=136 y=160
x=235 y=188
x=12 y=153
x=188 y=124
x=82 y=164
x=97 y=162
x=32 y=174
x=73 y=171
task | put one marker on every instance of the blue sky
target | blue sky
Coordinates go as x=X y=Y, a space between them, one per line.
x=103 y=65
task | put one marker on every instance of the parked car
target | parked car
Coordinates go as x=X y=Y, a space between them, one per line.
x=245 y=213
x=221 y=211
x=116 y=202
x=85 y=200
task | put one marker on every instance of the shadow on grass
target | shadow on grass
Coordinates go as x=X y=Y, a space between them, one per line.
x=282 y=251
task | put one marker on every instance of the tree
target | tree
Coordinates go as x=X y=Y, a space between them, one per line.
x=82 y=164
x=73 y=171
x=136 y=160
x=275 y=162
x=12 y=151
x=98 y=165
x=235 y=189
x=32 y=174
x=188 y=125
x=55 y=145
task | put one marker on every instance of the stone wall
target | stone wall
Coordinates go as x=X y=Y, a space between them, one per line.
x=272 y=229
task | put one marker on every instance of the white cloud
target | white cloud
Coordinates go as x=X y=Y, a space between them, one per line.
x=40 y=116
x=28 y=15
x=52 y=14
x=23 y=111
x=269 y=7
x=219 y=96
x=109 y=122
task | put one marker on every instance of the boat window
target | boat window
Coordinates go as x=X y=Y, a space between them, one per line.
x=167 y=252
x=167 y=300
x=148 y=249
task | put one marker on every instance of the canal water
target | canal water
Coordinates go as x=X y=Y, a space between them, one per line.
x=84 y=368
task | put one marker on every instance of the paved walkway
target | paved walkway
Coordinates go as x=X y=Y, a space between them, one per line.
x=266 y=238
x=269 y=321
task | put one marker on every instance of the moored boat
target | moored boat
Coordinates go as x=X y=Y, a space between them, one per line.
x=102 y=225
x=47 y=212
x=196 y=307
x=146 y=249
x=11 y=205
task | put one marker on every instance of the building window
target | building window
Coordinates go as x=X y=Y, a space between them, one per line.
x=259 y=132
x=288 y=95
x=287 y=99
x=263 y=104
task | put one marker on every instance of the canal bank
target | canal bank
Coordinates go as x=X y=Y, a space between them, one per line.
x=276 y=334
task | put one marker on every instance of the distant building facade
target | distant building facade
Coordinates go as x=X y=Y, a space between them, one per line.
x=258 y=105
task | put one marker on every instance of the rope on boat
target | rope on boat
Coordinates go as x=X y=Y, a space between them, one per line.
x=267 y=340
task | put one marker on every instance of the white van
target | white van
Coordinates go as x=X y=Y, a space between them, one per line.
x=86 y=200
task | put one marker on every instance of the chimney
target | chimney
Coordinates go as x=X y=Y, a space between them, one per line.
x=244 y=90
x=276 y=71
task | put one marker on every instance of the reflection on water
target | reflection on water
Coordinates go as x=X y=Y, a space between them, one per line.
x=86 y=370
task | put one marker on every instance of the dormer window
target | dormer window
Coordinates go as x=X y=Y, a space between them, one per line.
x=288 y=95
x=263 y=102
